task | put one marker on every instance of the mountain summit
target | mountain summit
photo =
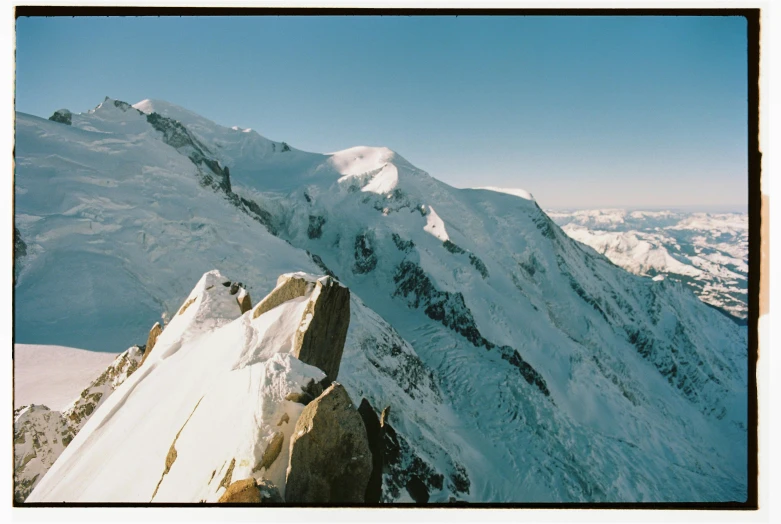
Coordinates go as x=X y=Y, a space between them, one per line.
x=520 y=365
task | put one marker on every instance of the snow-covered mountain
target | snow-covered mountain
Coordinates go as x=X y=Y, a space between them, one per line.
x=706 y=251
x=520 y=365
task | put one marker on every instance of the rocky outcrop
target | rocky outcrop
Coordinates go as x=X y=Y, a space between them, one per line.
x=20 y=250
x=365 y=257
x=242 y=491
x=244 y=300
x=151 y=340
x=330 y=459
x=251 y=491
x=374 y=435
x=319 y=340
x=40 y=436
x=289 y=286
x=96 y=393
x=62 y=116
x=272 y=451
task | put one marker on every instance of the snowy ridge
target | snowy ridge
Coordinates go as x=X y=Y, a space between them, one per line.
x=533 y=369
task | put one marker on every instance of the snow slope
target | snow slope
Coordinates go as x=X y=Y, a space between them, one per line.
x=528 y=366
x=54 y=375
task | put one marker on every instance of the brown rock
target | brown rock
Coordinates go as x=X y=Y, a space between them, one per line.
x=319 y=341
x=246 y=491
x=152 y=340
x=186 y=305
x=385 y=417
x=289 y=286
x=245 y=302
x=250 y=491
x=272 y=451
x=330 y=459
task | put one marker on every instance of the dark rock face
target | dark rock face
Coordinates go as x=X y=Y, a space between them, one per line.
x=62 y=116
x=453 y=248
x=405 y=246
x=478 y=265
x=20 y=250
x=177 y=136
x=450 y=309
x=417 y=489
x=315 y=229
x=374 y=434
x=151 y=341
x=288 y=287
x=319 y=341
x=365 y=258
x=330 y=459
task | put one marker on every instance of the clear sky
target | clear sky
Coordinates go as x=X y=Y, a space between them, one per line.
x=581 y=111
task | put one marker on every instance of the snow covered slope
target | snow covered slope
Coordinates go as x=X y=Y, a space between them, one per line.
x=529 y=367
x=706 y=251
x=54 y=375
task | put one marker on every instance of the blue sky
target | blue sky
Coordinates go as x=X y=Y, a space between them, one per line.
x=581 y=111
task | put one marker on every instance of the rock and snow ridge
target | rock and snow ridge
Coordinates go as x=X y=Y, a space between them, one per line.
x=526 y=366
x=220 y=368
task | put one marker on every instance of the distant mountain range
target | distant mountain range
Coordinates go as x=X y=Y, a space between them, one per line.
x=706 y=251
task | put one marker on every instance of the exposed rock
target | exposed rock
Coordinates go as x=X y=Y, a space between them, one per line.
x=98 y=391
x=301 y=398
x=319 y=341
x=186 y=305
x=251 y=491
x=385 y=416
x=272 y=451
x=246 y=491
x=152 y=340
x=226 y=479
x=235 y=286
x=417 y=489
x=374 y=434
x=40 y=436
x=289 y=286
x=62 y=116
x=330 y=459
x=20 y=248
x=268 y=491
x=365 y=257
x=245 y=302
x=284 y=419
x=315 y=229
x=309 y=392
